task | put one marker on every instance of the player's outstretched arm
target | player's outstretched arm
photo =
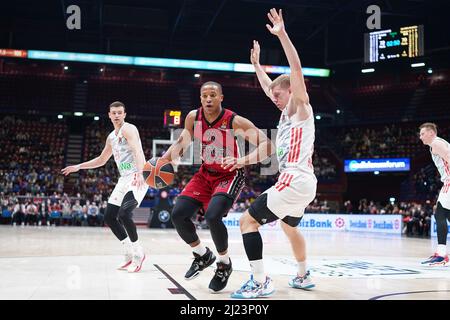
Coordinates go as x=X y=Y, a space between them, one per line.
x=263 y=78
x=177 y=149
x=91 y=164
x=264 y=147
x=298 y=86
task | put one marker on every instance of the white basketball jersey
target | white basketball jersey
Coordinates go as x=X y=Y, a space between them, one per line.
x=123 y=155
x=442 y=165
x=295 y=144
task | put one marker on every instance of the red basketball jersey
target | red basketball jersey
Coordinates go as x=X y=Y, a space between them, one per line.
x=217 y=139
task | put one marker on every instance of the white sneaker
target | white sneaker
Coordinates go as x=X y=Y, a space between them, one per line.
x=304 y=282
x=253 y=289
x=136 y=263
x=128 y=259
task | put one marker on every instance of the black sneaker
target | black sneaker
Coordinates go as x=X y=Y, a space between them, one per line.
x=220 y=279
x=200 y=263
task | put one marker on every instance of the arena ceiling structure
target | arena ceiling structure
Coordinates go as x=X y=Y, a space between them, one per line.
x=325 y=32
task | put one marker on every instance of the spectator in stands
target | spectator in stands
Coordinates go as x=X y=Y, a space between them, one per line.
x=19 y=213
x=348 y=207
x=92 y=214
x=55 y=210
x=31 y=214
x=66 y=213
x=77 y=212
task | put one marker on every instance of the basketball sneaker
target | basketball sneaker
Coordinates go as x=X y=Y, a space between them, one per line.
x=253 y=289
x=302 y=282
x=436 y=260
x=200 y=263
x=220 y=279
x=136 y=263
x=127 y=260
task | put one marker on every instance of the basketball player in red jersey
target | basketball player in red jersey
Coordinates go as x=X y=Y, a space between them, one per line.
x=213 y=188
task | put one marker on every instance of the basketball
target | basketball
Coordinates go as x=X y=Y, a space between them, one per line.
x=158 y=173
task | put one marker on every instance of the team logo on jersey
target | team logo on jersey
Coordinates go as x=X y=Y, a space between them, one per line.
x=224 y=124
x=280 y=152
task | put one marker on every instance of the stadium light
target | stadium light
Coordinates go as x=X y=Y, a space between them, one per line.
x=338 y=111
x=418 y=64
x=78 y=114
x=96 y=118
x=368 y=70
x=60 y=116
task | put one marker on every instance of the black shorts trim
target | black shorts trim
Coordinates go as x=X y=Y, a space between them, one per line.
x=263 y=215
x=229 y=196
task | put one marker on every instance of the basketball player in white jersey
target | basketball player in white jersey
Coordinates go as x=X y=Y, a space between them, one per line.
x=125 y=144
x=296 y=186
x=440 y=153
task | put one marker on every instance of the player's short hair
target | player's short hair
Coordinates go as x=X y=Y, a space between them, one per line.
x=429 y=126
x=212 y=83
x=116 y=104
x=284 y=81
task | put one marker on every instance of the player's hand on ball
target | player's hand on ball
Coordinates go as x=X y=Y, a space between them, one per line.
x=232 y=163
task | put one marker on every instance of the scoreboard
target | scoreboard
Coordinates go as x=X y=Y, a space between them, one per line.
x=172 y=118
x=383 y=45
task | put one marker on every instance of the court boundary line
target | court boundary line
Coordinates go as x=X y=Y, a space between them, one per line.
x=179 y=286
x=405 y=293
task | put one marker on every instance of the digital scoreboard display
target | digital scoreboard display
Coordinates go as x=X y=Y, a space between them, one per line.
x=383 y=45
x=172 y=118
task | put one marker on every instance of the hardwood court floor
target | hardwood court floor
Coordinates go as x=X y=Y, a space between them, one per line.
x=79 y=263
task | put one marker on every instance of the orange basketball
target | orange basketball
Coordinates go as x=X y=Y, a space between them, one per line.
x=158 y=173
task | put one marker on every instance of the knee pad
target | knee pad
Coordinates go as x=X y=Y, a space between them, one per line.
x=112 y=212
x=184 y=209
x=129 y=203
x=218 y=208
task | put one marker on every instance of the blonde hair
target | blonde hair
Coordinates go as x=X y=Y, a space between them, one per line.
x=429 y=126
x=284 y=81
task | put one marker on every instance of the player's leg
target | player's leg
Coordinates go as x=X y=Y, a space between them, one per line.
x=303 y=279
x=440 y=257
x=129 y=203
x=259 y=284
x=182 y=214
x=111 y=219
x=226 y=190
x=218 y=207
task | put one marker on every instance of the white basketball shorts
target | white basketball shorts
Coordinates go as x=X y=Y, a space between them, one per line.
x=291 y=194
x=123 y=186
